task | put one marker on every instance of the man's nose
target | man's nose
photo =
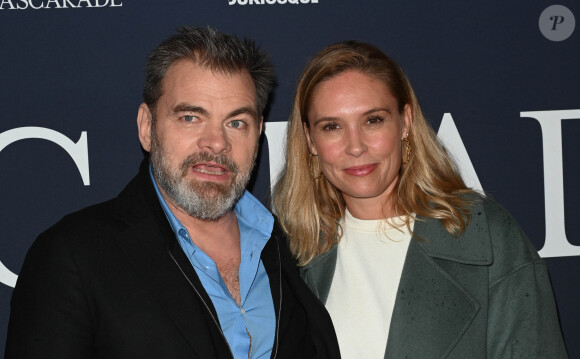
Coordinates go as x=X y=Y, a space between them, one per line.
x=214 y=139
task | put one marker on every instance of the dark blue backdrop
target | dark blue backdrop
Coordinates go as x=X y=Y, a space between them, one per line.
x=81 y=69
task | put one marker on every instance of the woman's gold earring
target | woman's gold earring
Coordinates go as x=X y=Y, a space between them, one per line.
x=407 y=149
x=314 y=158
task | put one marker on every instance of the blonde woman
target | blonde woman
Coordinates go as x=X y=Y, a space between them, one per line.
x=409 y=262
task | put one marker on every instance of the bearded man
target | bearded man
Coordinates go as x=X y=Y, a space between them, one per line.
x=185 y=262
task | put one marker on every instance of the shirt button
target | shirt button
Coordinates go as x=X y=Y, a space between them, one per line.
x=242 y=310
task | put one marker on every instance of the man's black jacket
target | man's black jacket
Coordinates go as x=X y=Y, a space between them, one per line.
x=111 y=281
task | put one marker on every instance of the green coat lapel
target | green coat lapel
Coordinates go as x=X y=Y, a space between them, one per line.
x=319 y=272
x=432 y=310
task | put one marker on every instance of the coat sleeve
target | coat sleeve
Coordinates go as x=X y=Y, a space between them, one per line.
x=523 y=321
x=49 y=315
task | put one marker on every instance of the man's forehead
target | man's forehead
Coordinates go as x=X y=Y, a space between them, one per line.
x=192 y=65
x=188 y=73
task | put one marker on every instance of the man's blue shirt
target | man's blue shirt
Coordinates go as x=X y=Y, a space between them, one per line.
x=255 y=317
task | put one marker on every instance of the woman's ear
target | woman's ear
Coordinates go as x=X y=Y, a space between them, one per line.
x=407 y=121
x=309 y=141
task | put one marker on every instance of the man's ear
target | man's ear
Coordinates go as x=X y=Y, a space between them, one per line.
x=260 y=126
x=144 y=123
x=311 y=145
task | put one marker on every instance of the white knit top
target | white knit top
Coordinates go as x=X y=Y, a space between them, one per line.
x=371 y=254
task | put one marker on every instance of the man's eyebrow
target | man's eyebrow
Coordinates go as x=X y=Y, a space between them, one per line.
x=244 y=110
x=184 y=107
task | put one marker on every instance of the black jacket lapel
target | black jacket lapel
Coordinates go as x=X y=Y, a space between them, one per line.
x=151 y=248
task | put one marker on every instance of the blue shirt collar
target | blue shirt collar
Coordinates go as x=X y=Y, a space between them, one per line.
x=251 y=214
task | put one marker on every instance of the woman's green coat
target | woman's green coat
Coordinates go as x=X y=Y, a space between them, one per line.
x=484 y=294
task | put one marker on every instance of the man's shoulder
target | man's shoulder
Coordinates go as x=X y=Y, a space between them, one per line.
x=102 y=219
x=94 y=217
x=81 y=231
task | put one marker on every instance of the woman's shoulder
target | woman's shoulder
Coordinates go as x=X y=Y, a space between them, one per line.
x=510 y=244
x=487 y=213
x=492 y=235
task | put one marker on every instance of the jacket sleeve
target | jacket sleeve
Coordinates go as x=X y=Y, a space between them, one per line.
x=49 y=315
x=523 y=321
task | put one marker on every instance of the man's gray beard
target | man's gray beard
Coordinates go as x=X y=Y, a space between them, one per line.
x=200 y=199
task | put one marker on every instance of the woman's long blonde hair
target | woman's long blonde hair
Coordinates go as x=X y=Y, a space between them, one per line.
x=310 y=209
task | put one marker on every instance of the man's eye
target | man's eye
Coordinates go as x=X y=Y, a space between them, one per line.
x=188 y=118
x=237 y=124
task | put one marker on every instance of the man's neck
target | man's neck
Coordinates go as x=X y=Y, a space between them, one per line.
x=220 y=240
x=223 y=232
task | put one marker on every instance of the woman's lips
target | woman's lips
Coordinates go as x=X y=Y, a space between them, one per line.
x=360 y=170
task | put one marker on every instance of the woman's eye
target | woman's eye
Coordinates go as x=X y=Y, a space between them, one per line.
x=330 y=126
x=373 y=120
